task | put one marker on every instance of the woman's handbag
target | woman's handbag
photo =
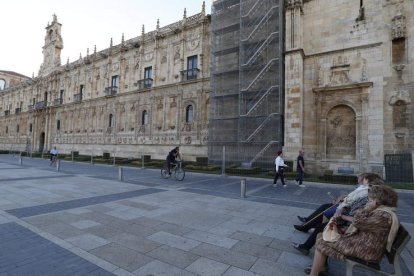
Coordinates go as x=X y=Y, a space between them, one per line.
x=332 y=232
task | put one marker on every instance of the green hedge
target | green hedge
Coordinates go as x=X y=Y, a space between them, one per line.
x=344 y=179
x=242 y=171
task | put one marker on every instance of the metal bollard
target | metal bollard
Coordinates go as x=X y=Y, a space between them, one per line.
x=120 y=176
x=92 y=158
x=58 y=165
x=21 y=161
x=114 y=159
x=142 y=162
x=223 y=164
x=243 y=188
x=72 y=156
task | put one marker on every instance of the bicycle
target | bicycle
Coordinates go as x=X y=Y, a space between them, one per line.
x=54 y=160
x=176 y=168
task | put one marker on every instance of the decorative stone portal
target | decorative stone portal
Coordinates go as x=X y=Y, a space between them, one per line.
x=341 y=133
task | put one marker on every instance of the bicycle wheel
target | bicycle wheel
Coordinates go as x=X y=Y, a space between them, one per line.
x=164 y=172
x=179 y=174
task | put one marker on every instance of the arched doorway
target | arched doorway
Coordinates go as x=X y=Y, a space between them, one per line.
x=341 y=133
x=41 y=142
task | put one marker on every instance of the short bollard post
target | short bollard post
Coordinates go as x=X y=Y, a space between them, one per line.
x=120 y=176
x=142 y=162
x=72 y=156
x=21 y=161
x=114 y=159
x=58 y=165
x=243 y=188
x=91 y=157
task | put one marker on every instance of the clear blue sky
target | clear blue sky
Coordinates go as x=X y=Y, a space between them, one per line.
x=85 y=23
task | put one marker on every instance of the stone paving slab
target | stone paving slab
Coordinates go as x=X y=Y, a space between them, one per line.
x=173 y=256
x=139 y=234
x=53 y=207
x=204 y=266
x=174 y=240
x=25 y=253
x=158 y=268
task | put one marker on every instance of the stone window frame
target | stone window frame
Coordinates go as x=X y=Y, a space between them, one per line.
x=144 y=117
x=111 y=120
x=4 y=84
x=189 y=113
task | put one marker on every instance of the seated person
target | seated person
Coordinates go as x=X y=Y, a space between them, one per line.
x=351 y=203
x=172 y=155
x=372 y=231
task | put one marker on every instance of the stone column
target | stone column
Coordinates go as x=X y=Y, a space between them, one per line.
x=294 y=80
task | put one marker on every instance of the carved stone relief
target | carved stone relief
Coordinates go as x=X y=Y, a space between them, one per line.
x=399 y=115
x=341 y=133
x=340 y=71
x=400 y=95
x=193 y=41
x=177 y=54
x=149 y=56
x=398 y=26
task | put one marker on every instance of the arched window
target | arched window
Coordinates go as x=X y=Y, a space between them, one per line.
x=144 y=117
x=58 y=125
x=111 y=120
x=2 y=84
x=189 y=114
x=30 y=127
x=7 y=129
x=17 y=128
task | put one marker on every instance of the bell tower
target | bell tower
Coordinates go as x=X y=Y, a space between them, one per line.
x=52 y=48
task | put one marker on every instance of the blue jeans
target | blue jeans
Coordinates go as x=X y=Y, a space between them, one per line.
x=299 y=177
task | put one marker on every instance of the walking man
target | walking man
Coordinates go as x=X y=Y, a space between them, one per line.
x=300 y=169
x=280 y=167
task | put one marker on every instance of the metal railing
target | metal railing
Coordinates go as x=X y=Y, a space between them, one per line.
x=40 y=105
x=77 y=98
x=191 y=74
x=58 y=101
x=144 y=83
x=111 y=90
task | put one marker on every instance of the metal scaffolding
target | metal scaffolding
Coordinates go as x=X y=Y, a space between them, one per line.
x=247 y=100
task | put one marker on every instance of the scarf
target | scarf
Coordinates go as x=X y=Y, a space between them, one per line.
x=394 y=226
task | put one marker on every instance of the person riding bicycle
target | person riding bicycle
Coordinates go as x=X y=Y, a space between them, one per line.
x=53 y=155
x=172 y=155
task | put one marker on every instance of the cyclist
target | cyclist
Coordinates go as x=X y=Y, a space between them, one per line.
x=172 y=155
x=53 y=156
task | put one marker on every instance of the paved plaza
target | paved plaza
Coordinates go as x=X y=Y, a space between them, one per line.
x=81 y=220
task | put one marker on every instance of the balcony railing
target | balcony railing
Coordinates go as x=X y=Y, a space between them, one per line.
x=6 y=112
x=144 y=83
x=190 y=74
x=40 y=105
x=77 y=98
x=58 y=101
x=17 y=110
x=111 y=90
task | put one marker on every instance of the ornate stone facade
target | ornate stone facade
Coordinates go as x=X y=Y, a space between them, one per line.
x=142 y=97
x=10 y=79
x=349 y=85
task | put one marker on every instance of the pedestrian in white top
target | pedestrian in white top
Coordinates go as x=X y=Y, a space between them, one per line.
x=280 y=167
x=53 y=156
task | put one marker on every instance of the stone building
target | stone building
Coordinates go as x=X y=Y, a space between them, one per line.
x=142 y=97
x=349 y=82
x=9 y=79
